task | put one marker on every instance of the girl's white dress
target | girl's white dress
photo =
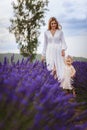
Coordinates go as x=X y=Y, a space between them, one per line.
x=67 y=80
x=52 y=48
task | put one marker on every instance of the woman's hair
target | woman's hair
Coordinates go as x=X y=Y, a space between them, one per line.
x=58 y=26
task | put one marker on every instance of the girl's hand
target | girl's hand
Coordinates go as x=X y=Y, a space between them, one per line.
x=63 y=52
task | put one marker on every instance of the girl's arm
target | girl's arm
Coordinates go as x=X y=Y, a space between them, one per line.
x=73 y=71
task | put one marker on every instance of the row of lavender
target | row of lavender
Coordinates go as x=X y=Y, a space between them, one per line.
x=30 y=98
x=80 y=81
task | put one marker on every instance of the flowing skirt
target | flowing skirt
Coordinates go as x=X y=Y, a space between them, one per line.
x=54 y=58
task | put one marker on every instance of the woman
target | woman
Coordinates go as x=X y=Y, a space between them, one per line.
x=54 y=48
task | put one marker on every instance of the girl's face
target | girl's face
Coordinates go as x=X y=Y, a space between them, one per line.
x=68 y=61
x=53 y=24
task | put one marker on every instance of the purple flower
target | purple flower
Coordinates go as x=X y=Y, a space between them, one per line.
x=30 y=98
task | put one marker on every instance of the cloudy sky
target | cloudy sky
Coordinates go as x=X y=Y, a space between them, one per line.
x=71 y=14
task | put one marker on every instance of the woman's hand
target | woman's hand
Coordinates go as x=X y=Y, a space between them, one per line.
x=63 y=53
x=43 y=58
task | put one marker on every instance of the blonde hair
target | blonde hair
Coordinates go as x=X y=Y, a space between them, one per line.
x=58 y=26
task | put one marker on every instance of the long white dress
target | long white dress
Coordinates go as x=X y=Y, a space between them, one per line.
x=52 y=48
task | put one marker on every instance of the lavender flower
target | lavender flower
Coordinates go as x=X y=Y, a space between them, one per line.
x=30 y=98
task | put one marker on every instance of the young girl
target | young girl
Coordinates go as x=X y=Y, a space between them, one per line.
x=69 y=73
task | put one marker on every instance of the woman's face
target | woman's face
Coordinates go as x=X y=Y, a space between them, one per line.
x=53 y=24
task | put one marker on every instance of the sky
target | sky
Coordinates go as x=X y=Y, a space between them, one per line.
x=71 y=14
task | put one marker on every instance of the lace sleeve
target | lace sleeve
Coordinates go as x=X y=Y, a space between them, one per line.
x=44 y=45
x=64 y=46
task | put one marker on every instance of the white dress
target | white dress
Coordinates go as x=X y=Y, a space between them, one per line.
x=52 y=48
x=67 y=80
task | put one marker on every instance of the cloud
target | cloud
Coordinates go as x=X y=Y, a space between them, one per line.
x=77 y=46
x=72 y=15
x=75 y=26
x=7 y=42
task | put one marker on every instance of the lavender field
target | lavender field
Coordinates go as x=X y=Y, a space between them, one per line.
x=31 y=99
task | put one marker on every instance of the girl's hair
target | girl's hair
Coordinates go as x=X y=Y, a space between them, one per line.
x=58 y=26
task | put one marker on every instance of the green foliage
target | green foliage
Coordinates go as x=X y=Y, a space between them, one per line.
x=80 y=59
x=28 y=18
